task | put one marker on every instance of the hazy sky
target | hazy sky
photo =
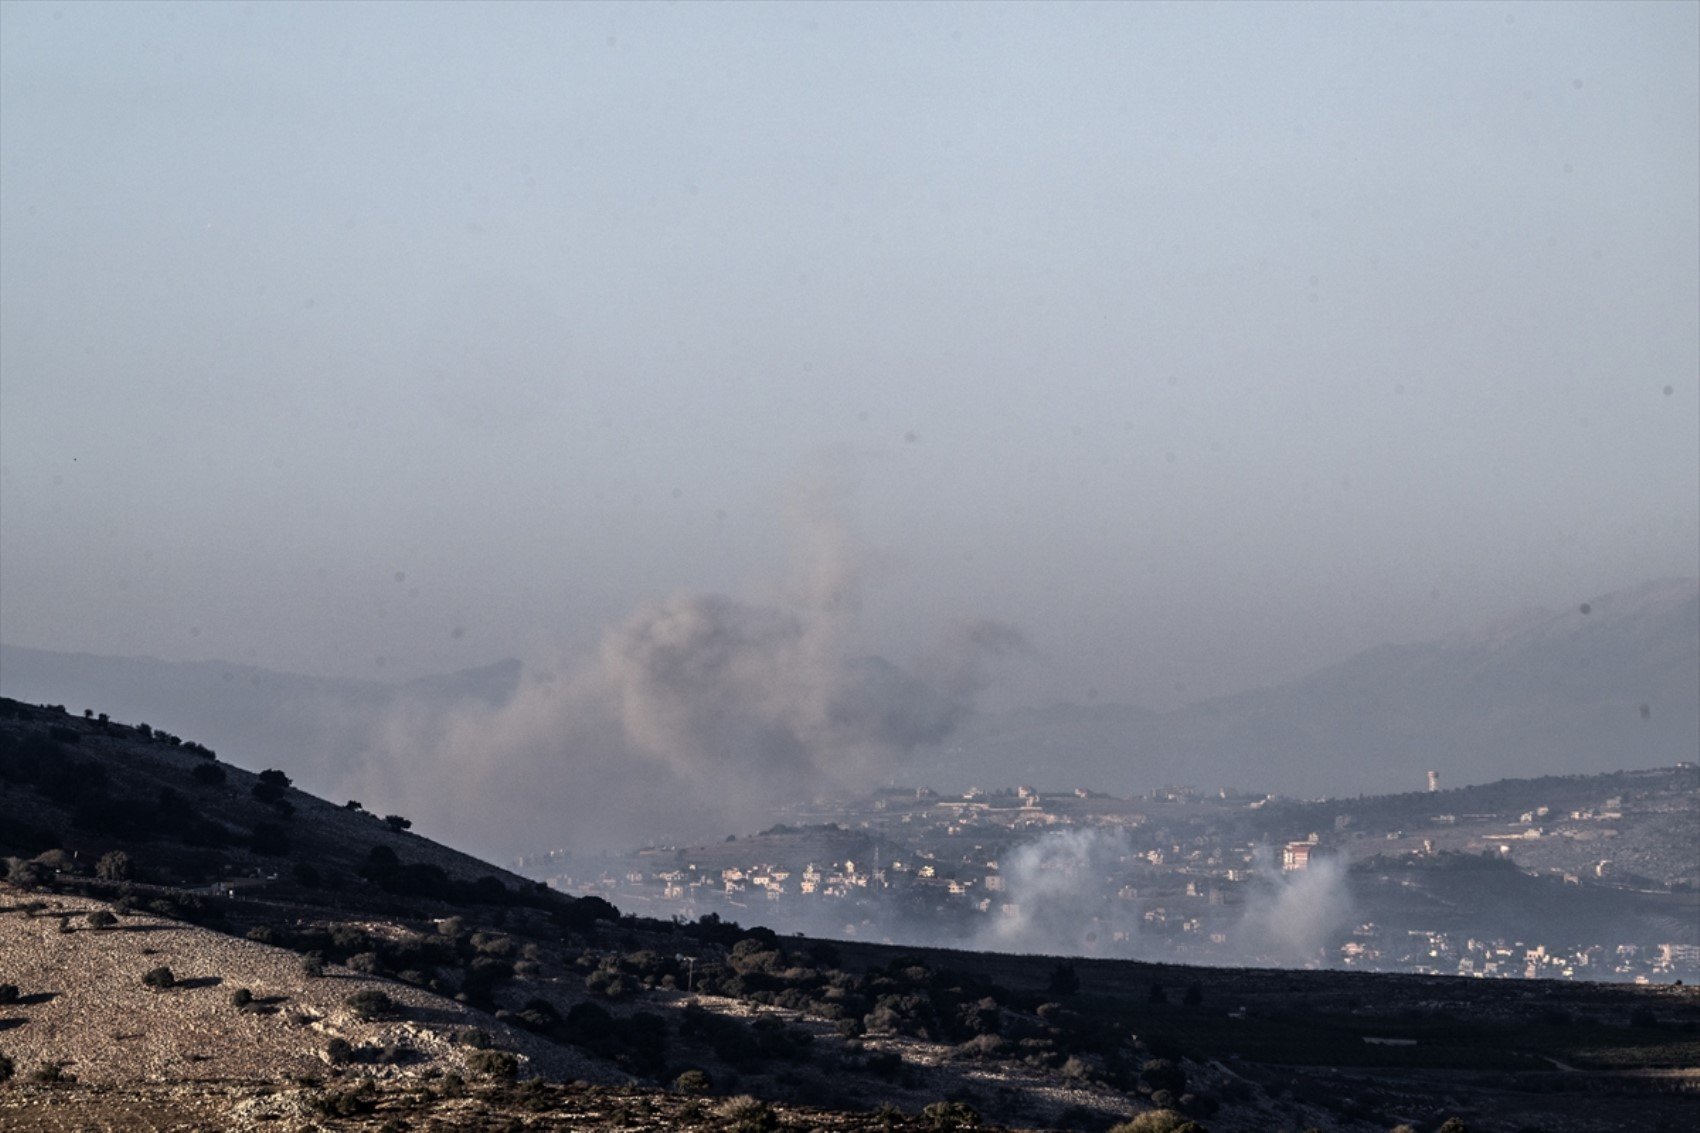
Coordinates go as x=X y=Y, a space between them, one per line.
x=1205 y=343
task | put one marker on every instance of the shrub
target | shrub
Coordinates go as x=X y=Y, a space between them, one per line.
x=1158 y=1121
x=745 y=1114
x=950 y=1115
x=101 y=918
x=980 y=1046
x=614 y=985
x=369 y=1003
x=7 y=1069
x=348 y=1103
x=20 y=871
x=397 y=823
x=8 y=993
x=207 y=774
x=159 y=978
x=339 y=1052
x=241 y=997
x=693 y=1082
x=114 y=866
x=493 y=944
x=493 y=1064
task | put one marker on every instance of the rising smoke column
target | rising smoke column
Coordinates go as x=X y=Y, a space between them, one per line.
x=697 y=711
x=1062 y=887
x=1291 y=918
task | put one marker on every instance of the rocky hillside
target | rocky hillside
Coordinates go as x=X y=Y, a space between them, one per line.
x=185 y=943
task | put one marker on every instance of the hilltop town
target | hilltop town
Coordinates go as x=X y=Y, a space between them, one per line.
x=1574 y=877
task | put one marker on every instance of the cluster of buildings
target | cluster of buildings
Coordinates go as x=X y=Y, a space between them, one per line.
x=1173 y=873
x=1441 y=953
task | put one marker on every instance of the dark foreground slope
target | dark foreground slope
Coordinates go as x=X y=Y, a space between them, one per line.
x=328 y=970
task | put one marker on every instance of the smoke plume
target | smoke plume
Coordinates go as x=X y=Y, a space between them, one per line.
x=697 y=711
x=1061 y=898
x=1291 y=918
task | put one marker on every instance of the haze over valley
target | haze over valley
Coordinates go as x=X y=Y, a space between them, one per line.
x=1163 y=538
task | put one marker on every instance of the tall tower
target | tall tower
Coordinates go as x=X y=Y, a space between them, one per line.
x=1434 y=780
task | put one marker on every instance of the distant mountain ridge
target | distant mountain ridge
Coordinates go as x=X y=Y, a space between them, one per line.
x=1612 y=683
x=1538 y=692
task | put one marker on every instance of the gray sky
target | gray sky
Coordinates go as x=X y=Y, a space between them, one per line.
x=1205 y=343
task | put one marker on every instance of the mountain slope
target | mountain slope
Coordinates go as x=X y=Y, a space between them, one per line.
x=1565 y=692
x=172 y=859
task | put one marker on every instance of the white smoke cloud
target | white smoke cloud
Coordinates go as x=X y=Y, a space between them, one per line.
x=1291 y=918
x=1062 y=889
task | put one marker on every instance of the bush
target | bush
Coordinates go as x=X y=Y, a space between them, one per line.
x=614 y=985
x=950 y=1115
x=101 y=918
x=746 y=1115
x=7 y=1069
x=493 y=1064
x=339 y=1052
x=159 y=978
x=241 y=997
x=397 y=823
x=313 y=964
x=348 y=1103
x=114 y=866
x=208 y=774
x=693 y=1082
x=20 y=871
x=1159 y=1121
x=369 y=1003
x=8 y=993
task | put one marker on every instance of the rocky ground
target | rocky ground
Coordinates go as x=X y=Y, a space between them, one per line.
x=84 y=1011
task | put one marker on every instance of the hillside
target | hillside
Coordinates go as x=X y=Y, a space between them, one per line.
x=502 y=1001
